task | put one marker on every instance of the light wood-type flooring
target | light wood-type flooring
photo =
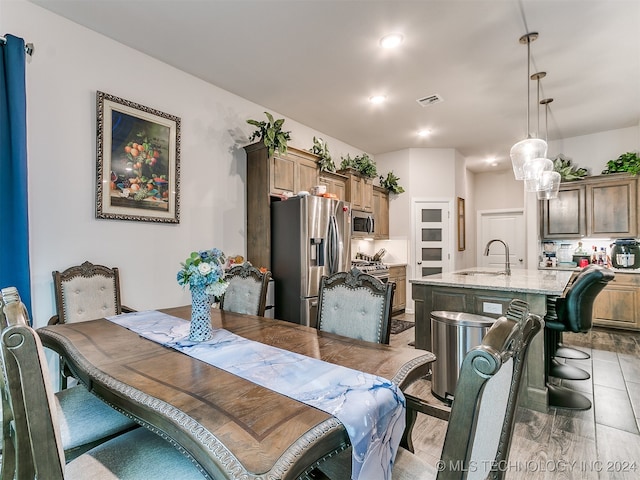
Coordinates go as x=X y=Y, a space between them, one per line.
x=600 y=443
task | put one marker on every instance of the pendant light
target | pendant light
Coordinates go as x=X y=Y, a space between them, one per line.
x=549 y=181
x=528 y=148
x=533 y=168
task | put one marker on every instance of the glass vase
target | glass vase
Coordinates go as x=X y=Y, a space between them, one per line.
x=200 y=329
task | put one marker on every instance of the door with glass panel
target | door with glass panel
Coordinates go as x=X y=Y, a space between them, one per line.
x=432 y=250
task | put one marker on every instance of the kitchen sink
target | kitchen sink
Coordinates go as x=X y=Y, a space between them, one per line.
x=480 y=272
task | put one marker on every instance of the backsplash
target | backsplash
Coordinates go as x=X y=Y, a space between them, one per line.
x=397 y=249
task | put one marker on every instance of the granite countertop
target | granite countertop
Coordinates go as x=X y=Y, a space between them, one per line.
x=577 y=269
x=547 y=282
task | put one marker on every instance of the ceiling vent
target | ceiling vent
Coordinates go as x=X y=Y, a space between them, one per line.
x=430 y=100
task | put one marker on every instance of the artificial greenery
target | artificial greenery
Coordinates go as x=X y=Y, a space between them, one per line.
x=627 y=162
x=362 y=163
x=391 y=183
x=321 y=149
x=567 y=171
x=271 y=134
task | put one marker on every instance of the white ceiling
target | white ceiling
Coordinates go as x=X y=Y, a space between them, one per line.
x=318 y=61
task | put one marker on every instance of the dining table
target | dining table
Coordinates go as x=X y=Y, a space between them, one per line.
x=231 y=427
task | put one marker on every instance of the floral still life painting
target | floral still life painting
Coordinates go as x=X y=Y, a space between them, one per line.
x=138 y=162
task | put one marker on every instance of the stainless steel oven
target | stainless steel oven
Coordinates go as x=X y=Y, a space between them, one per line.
x=362 y=224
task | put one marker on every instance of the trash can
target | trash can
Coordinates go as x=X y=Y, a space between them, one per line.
x=453 y=334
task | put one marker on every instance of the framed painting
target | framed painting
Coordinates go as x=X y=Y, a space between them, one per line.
x=461 y=226
x=138 y=162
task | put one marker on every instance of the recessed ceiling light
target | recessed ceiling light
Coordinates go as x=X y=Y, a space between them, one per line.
x=391 y=41
x=377 y=99
x=424 y=133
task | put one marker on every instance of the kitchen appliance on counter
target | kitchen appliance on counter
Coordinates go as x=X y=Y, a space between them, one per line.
x=310 y=237
x=625 y=253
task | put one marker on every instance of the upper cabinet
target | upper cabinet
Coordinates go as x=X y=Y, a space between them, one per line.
x=603 y=206
x=381 y=213
x=335 y=183
x=293 y=172
x=359 y=191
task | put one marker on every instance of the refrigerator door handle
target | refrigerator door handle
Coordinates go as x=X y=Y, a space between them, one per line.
x=332 y=245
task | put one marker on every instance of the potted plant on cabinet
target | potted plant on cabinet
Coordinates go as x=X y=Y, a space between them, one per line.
x=567 y=171
x=390 y=182
x=320 y=148
x=271 y=134
x=363 y=164
x=627 y=162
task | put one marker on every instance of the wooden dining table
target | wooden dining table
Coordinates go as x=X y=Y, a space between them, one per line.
x=230 y=427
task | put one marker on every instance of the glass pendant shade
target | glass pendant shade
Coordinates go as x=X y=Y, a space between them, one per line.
x=549 y=185
x=524 y=150
x=532 y=171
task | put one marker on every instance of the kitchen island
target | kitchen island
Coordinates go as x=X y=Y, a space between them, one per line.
x=488 y=292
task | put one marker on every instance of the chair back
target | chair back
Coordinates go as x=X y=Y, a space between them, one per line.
x=482 y=416
x=38 y=448
x=575 y=307
x=247 y=290
x=356 y=305
x=86 y=292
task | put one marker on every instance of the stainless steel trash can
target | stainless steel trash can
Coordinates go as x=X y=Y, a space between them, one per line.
x=453 y=334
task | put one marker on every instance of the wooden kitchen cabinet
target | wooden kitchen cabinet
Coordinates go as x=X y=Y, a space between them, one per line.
x=618 y=305
x=381 y=213
x=335 y=183
x=564 y=217
x=266 y=176
x=603 y=206
x=398 y=274
x=359 y=191
x=612 y=208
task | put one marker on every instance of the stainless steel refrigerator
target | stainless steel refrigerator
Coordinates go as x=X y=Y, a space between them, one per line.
x=310 y=237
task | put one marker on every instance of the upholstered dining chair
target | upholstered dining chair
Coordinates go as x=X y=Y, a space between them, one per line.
x=247 y=290
x=85 y=292
x=356 y=305
x=481 y=420
x=136 y=454
x=85 y=421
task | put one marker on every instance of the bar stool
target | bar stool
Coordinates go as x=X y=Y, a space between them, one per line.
x=573 y=312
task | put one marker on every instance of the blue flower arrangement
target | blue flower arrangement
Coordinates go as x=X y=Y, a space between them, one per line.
x=204 y=269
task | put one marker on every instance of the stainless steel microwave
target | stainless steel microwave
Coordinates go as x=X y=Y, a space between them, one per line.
x=362 y=224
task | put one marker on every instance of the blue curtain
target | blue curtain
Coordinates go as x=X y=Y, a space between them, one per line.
x=14 y=220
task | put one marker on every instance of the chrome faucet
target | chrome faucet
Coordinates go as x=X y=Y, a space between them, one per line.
x=507 y=265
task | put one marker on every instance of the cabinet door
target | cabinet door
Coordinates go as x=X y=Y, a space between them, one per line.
x=334 y=185
x=367 y=194
x=355 y=192
x=307 y=174
x=381 y=214
x=564 y=217
x=399 y=276
x=619 y=303
x=283 y=174
x=611 y=209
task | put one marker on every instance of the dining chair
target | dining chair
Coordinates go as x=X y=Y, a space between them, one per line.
x=38 y=426
x=247 y=290
x=85 y=421
x=356 y=305
x=85 y=292
x=481 y=419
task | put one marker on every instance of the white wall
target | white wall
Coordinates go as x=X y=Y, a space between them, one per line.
x=594 y=151
x=69 y=64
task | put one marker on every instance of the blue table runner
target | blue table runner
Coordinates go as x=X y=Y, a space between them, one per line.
x=370 y=407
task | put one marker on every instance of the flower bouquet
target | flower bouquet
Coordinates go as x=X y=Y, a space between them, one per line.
x=203 y=272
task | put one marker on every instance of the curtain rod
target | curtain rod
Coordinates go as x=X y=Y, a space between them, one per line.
x=28 y=47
